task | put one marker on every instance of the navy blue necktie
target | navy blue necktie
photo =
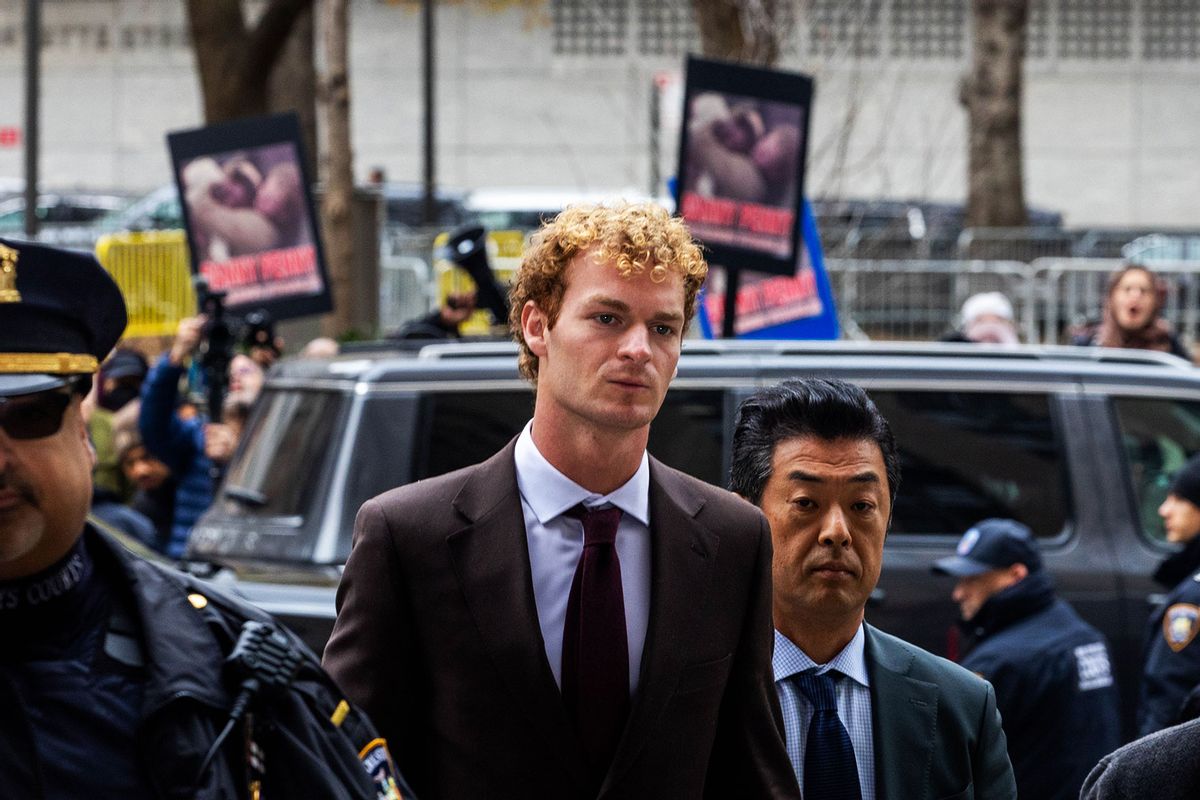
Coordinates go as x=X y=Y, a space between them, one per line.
x=830 y=771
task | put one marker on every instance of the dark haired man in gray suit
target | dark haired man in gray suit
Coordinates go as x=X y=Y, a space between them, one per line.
x=468 y=605
x=866 y=715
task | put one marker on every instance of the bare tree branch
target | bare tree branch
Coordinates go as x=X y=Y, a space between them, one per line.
x=269 y=36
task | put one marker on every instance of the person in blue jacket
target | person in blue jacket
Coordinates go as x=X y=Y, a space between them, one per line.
x=1053 y=676
x=183 y=443
x=1172 y=662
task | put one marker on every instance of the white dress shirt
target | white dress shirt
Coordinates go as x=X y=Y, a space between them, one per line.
x=556 y=545
x=852 y=694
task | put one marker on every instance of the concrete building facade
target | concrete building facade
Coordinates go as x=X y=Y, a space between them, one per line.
x=561 y=93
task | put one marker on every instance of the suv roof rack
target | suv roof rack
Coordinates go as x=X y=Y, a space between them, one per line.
x=717 y=347
x=785 y=347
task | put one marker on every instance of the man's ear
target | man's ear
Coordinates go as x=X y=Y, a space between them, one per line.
x=534 y=328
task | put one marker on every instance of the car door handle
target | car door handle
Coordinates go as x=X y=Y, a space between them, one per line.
x=877 y=596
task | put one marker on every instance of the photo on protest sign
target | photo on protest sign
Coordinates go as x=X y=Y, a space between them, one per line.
x=742 y=150
x=249 y=215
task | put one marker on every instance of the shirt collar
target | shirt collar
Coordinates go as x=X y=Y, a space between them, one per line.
x=789 y=659
x=549 y=493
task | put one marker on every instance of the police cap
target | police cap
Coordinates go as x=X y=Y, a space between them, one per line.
x=60 y=315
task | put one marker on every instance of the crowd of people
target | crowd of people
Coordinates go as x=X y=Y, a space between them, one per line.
x=569 y=618
x=159 y=451
x=1131 y=317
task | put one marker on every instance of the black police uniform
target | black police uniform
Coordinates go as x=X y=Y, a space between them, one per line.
x=1054 y=685
x=1172 y=656
x=112 y=687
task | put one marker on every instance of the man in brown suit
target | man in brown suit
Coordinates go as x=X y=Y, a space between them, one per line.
x=571 y=618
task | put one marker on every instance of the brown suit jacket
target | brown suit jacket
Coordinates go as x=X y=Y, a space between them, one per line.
x=437 y=638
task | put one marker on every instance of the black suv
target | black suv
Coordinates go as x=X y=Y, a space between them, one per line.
x=1076 y=443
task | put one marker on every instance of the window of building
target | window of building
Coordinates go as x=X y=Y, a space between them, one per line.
x=1159 y=435
x=1171 y=30
x=928 y=28
x=1037 y=34
x=666 y=28
x=1094 y=29
x=967 y=456
x=839 y=28
x=590 y=27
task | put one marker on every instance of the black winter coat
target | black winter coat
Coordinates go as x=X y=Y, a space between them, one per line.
x=304 y=741
x=1058 y=701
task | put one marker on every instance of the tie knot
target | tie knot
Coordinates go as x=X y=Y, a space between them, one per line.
x=818 y=688
x=599 y=524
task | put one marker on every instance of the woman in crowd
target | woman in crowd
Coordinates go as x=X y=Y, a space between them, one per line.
x=1133 y=315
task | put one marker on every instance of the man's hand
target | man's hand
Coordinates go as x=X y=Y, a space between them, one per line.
x=186 y=338
x=219 y=442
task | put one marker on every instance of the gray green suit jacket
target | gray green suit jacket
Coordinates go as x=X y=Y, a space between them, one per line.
x=936 y=728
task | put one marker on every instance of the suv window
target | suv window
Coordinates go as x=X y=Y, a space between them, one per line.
x=292 y=431
x=468 y=427
x=967 y=456
x=1159 y=434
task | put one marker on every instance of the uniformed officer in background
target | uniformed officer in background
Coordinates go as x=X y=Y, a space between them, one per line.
x=119 y=678
x=1172 y=664
x=1052 y=673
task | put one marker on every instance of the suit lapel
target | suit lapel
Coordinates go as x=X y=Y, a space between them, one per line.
x=681 y=553
x=491 y=561
x=904 y=717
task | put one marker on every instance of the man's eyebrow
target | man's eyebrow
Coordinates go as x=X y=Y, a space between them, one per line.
x=609 y=302
x=808 y=477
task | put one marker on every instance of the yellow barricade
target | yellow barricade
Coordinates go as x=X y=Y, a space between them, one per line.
x=504 y=249
x=152 y=270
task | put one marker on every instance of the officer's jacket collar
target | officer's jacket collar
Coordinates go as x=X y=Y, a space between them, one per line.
x=1179 y=566
x=1009 y=606
x=183 y=656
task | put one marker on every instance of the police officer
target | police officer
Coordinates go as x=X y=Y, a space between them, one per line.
x=1051 y=670
x=1172 y=667
x=119 y=678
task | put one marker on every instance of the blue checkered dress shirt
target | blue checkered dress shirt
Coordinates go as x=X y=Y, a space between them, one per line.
x=853 y=703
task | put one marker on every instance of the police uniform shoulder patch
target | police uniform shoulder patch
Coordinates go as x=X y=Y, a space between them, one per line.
x=1180 y=625
x=378 y=762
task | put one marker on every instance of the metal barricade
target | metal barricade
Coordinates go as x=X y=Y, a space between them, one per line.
x=152 y=270
x=407 y=289
x=1072 y=293
x=1014 y=244
x=914 y=300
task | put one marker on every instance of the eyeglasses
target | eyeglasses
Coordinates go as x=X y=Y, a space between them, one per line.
x=33 y=416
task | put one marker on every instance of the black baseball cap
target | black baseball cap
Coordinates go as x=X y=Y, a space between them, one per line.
x=1186 y=482
x=60 y=315
x=124 y=364
x=991 y=544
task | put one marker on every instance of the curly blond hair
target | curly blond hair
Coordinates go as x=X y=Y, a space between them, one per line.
x=633 y=237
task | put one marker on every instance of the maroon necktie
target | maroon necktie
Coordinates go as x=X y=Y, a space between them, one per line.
x=595 y=655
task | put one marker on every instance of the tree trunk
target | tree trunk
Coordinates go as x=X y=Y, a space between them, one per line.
x=233 y=61
x=740 y=30
x=293 y=84
x=336 y=161
x=991 y=93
